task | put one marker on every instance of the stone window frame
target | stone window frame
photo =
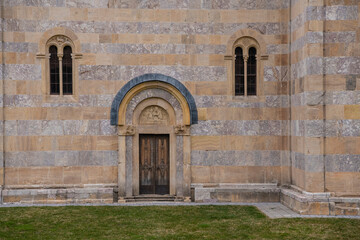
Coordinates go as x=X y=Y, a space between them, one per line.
x=59 y=37
x=246 y=38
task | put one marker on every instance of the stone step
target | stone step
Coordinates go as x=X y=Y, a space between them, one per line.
x=153 y=198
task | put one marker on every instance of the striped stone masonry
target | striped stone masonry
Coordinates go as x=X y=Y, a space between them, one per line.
x=300 y=133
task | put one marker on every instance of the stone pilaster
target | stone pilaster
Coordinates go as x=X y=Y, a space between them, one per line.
x=2 y=66
x=123 y=132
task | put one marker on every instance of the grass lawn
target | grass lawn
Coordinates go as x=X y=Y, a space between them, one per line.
x=161 y=222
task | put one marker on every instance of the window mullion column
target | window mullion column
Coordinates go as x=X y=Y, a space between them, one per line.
x=246 y=57
x=257 y=73
x=61 y=74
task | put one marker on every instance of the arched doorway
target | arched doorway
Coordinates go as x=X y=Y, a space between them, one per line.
x=154 y=113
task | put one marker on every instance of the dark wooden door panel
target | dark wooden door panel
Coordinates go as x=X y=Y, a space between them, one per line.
x=154 y=164
x=147 y=165
x=162 y=165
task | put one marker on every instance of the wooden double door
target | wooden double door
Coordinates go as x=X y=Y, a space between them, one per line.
x=154 y=164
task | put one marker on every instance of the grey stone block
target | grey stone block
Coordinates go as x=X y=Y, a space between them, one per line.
x=235 y=158
x=350 y=83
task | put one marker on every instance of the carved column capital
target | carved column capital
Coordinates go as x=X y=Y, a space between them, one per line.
x=182 y=130
x=127 y=130
x=246 y=57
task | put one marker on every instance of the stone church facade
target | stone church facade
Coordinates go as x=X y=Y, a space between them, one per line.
x=201 y=100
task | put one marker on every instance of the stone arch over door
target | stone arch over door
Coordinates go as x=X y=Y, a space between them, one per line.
x=154 y=104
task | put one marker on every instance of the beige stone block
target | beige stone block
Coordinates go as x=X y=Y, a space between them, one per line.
x=88 y=59
x=103 y=59
x=25 y=58
x=96 y=113
x=12 y=199
x=314 y=182
x=105 y=38
x=298 y=177
x=128 y=38
x=161 y=15
x=335 y=112
x=19 y=36
x=216 y=60
x=148 y=15
x=343 y=183
x=317 y=208
x=78 y=14
x=206 y=142
x=352 y=111
x=11 y=176
x=67 y=113
x=12 y=113
x=8 y=36
x=202 y=114
x=313 y=146
x=28 y=143
x=88 y=37
x=176 y=59
x=9 y=12
x=40 y=13
x=200 y=174
x=33 y=36
x=59 y=13
x=1 y=174
x=148 y=38
x=110 y=174
x=210 y=88
x=22 y=12
x=177 y=16
x=99 y=174
x=124 y=15
x=128 y=59
x=105 y=143
x=72 y=175
x=34 y=176
x=275 y=88
x=10 y=57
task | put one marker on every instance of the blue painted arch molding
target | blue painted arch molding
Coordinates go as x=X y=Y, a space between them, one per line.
x=114 y=114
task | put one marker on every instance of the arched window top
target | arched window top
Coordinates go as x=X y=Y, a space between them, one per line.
x=61 y=42
x=250 y=38
x=238 y=51
x=59 y=36
x=246 y=44
x=252 y=51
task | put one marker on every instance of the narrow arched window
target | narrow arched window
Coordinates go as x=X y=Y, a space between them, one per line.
x=251 y=72
x=54 y=71
x=67 y=71
x=239 y=72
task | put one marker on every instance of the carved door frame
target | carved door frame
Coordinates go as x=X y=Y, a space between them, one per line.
x=179 y=142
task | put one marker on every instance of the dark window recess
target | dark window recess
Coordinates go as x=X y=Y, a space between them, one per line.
x=54 y=71
x=67 y=71
x=251 y=72
x=239 y=72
